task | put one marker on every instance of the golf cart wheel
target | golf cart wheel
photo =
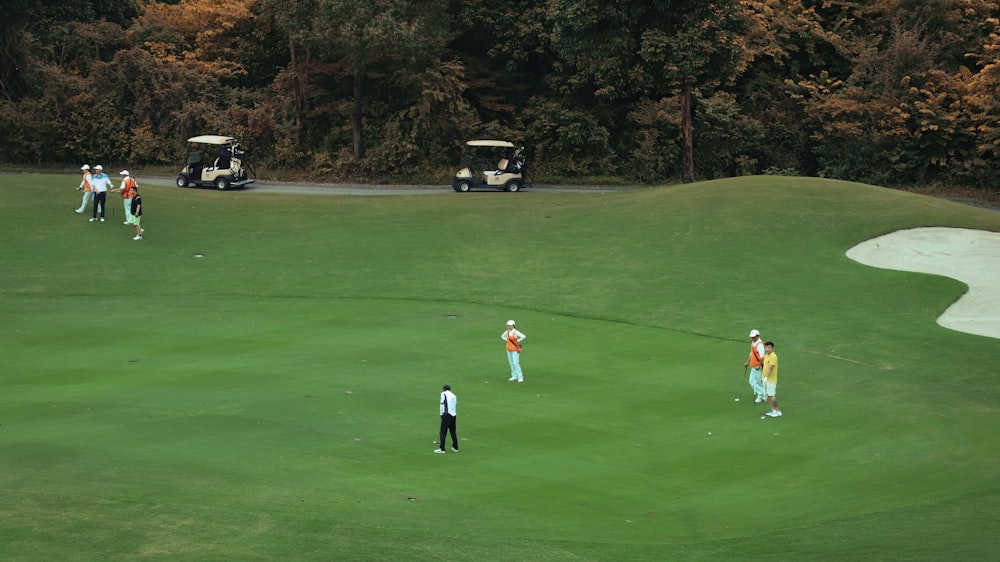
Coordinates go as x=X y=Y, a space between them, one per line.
x=182 y=181
x=222 y=183
x=463 y=186
x=512 y=186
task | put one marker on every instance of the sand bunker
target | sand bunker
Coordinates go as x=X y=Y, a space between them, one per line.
x=970 y=256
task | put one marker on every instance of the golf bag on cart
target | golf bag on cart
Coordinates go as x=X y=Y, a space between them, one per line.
x=514 y=163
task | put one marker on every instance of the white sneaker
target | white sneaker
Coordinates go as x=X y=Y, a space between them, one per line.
x=777 y=414
x=126 y=222
x=439 y=451
x=102 y=219
x=772 y=414
x=137 y=238
x=79 y=211
x=512 y=379
x=454 y=449
x=758 y=400
x=520 y=380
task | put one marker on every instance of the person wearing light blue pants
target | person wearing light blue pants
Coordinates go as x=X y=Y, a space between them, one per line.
x=755 y=361
x=513 y=339
x=85 y=187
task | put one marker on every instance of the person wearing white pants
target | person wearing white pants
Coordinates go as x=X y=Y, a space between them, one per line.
x=85 y=186
x=755 y=361
x=128 y=188
x=513 y=339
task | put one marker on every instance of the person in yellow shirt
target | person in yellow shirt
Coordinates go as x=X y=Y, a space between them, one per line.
x=770 y=378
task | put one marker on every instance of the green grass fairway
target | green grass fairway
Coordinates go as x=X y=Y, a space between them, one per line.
x=276 y=399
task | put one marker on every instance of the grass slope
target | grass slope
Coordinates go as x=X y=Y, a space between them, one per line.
x=275 y=400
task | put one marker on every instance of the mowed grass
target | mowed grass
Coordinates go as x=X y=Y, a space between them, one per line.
x=276 y=398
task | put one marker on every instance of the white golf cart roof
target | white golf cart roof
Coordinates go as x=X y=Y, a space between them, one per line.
x=490 y=143
x=213 y=139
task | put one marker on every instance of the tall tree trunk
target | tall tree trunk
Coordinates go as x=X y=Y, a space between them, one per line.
x=359 y=147
x=687 y=173
x=12 y=60
x=297 y=92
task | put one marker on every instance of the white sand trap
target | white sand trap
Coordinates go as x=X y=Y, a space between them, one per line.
x=970 y=256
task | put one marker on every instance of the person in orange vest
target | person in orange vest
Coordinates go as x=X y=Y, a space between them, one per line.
x=513 y=339
x=85 y=186
x=128 y=189
x=755 y=361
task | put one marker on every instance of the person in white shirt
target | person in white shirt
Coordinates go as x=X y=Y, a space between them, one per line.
x=513 y=339
x=449 y=413
x=101 y=183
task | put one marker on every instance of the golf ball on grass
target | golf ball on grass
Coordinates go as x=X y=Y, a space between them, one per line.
x=762 y=417
x=737 y=400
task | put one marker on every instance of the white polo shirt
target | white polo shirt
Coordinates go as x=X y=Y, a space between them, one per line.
x=101 y=183
x=451 y=400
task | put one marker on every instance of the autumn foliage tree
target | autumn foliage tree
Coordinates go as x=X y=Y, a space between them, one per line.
x=886 y=91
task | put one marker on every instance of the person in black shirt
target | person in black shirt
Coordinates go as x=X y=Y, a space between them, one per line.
x=137 y=214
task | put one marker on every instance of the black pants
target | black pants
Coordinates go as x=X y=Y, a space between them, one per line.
x=100 y=198
x=448 y=424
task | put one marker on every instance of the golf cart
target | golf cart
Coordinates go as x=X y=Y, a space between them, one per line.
x=224 y=169
x=511 y=173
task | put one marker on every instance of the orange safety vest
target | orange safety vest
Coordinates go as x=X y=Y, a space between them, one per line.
x=128 y=188
x=512 y=344
x=755 y=360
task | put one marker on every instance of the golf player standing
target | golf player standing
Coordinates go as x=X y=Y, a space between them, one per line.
x=136 y=214
x=755 y=361
x=101 y=184
x=771 y=379
x=513 y=339
x=449 y=415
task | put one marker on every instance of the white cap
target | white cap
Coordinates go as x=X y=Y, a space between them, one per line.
x=510 y=322
x=123 y=173
x=85 y=167
x=754 y=333
x=98 y=167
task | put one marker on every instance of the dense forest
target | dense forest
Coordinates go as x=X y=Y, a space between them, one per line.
x=890 y=92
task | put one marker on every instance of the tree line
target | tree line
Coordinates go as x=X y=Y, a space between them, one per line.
x=889 y=92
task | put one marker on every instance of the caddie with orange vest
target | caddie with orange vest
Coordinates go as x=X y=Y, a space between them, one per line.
x=128 y=188
x=513 y=339
x=755 y=361
x=88 y=194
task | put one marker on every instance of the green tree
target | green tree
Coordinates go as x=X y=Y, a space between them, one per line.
x=365 y=37
x=688 y=45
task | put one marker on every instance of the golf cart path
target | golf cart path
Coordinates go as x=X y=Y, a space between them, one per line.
x=377 y=189
x=970 y=256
